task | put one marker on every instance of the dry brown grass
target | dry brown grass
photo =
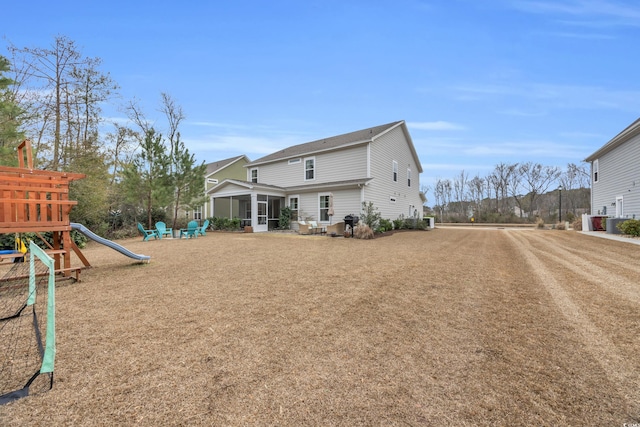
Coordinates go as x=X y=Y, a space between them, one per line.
x=445 y=327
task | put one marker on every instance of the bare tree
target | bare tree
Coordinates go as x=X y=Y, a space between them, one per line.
x=574 y=179
x=477 y=191
x=174 y=114
x=537 y=179
x=500 y=179
x=460 y=191
x=63 y=92
x=122 y=141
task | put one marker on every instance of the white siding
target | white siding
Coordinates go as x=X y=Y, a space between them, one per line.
x=339 y=165
x=619 y=175
x=384 y=150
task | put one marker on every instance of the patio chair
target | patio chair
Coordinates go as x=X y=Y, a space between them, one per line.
x=203 y=230
x=317 y=229
x=304 y=227
x=162 y=229
x=147 y=234
x=190 y=231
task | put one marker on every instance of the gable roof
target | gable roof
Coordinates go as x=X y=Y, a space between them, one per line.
x=629 y=132
x=246 y=184
x=221 y=164
x=352 y=138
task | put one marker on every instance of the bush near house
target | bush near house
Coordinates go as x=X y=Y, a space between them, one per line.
x=224 y=223
x=363 y=231
x=384 y=225
x=577 y=224
x=630 y=227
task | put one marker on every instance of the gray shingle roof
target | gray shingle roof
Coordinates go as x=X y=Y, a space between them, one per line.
x=629 y=132
x=360 y=136
x=216 y=166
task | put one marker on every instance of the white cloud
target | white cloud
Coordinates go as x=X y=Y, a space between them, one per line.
x=549 y=95
x=590 y=12
x=437 y=125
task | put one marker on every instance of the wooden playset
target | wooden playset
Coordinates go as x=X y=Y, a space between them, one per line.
x=37 y=201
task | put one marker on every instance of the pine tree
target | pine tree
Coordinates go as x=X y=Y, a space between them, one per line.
x=10 y=135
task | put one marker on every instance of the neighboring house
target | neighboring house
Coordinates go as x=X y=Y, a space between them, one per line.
x=615 y=175
x=328 y=176
x=232 y=168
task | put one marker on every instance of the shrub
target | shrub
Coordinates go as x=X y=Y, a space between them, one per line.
x=422 y=224
x=398 y=223
x=560 y=226
x=630 y=227
x=577 y=224
x=363 y=231
x=284 y=222
x=384 y=225
x=225 y=223
x=370 y=215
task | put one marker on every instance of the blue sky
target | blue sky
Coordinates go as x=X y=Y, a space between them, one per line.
x=478 y=82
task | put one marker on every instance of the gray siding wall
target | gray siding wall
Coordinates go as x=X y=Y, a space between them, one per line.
x=339 y=165
x=345 y=202
x=619 y=175
x=384 y=150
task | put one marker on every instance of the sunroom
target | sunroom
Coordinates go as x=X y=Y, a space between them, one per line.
x=256 y=205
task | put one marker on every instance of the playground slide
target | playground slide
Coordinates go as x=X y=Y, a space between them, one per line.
x=124 y=251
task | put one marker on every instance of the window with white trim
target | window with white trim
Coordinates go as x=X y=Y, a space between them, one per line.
x=310 y=169
x=197 y=213
x=324 y=207
x=294 y=206
x=395 y=171
x=595 y=170
x=409 y=177
x=212 y=181
x=294 y=161
x=254 y=174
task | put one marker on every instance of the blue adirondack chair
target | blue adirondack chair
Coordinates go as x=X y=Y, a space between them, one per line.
x=190 y=231
x=203 y=230
x=147 y=234
x=162 y=229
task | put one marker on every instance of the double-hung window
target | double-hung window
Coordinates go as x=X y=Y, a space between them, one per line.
x=254 y=175
x=324 y=207
x=395 y=171
x=310 y=169
x=408 y=177
x=197 y=213
x=293 y=205
x=595 y=170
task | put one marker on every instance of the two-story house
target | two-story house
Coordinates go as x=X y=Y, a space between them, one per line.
x=615 y=175
x=327 y=179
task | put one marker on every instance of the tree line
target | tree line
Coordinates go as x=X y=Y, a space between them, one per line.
x=522 y=192
x=54 y=96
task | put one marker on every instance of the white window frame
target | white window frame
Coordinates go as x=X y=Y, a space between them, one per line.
x=294 y=212
x=294 y=161
x=321 y=208
x=251 y=171
x=197 y=213
x=619 y=206
x=408 y=177
x=394 y=167
x=313 y=169
x=596 y=171
x=212 y=181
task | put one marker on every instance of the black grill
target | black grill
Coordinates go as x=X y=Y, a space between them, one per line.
x=351 y=221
